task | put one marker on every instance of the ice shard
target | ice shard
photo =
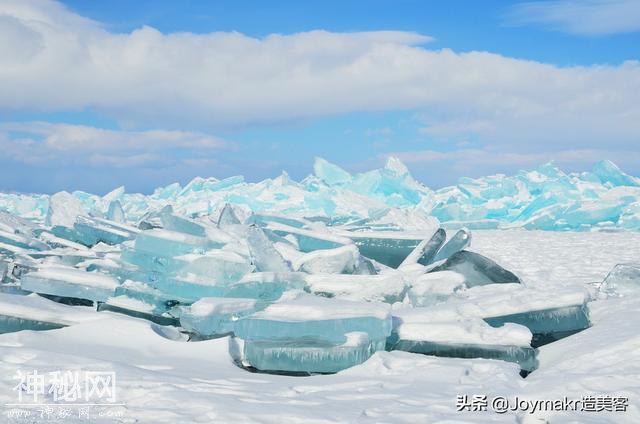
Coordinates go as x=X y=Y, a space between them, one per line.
x=115 y=212
x=341 y=260
x=458 y=242
x=390 y=248
x=309 y=240
x=477 y=269
x=63 y=210
x=70 y=282
x=622 y=280
x=264 y=254
x=425 y=252
x=227 y=217
x=214 y=316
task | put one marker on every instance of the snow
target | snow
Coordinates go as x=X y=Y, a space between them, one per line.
x=215 y=305
x=472 y=331
x=312 y=308
x=162 y=379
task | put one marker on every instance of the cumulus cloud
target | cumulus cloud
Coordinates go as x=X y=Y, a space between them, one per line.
x=223 y=79
x=42 y=142
x=582 y=17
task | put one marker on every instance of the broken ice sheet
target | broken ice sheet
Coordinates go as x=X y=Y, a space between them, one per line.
x=169 y=243
x=369 y=288
x=265 y=286
x=70 y=282
x=622 y=280
x=309 y=356
x=309 y=334
x=390 y=248
x=341 y=260
x=264 y=254
x=460 y=240
x=548 y=315
x=424 y=252
x=309 y=240
x=213 y=316
x=33 y=312
x=466 y=338
x=477 y=269
x=435 y=287
x=309 y=316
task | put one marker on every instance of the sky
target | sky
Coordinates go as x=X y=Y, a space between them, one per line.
x=94 y=95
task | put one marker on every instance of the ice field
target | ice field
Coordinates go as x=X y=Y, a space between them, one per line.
x=341 y=298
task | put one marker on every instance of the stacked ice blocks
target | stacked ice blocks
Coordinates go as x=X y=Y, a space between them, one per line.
x=294 y=294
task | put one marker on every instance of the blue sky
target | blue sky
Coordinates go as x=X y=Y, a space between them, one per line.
x=144 y=93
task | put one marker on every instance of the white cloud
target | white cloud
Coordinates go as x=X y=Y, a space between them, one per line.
x=41 y=142
x=56 y=60
x=582 y=17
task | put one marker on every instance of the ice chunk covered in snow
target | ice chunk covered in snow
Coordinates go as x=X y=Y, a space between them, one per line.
x=63 y=210
x=341 y=260
x=622 y=280
x=389 y=288
x=468 y=338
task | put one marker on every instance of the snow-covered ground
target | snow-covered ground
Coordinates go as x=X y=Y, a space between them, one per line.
x=162 y=379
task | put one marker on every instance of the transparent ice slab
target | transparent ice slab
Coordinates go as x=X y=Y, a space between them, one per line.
x=525 y=356
x=227 y=217
x=387 y=247
x=548 y=325
x=310 y=355
x=309 y=240
x=115 y=212
x=460 y=240
x=91 y=231
x=316 y=317
x=70 y=282
x=216 y=316
x=160 y=301
x=622 y=280
x=265 y=286
x=135 y=308
x=467 y=338
x=21 y=241
x=32 y=312
x=169 y=243
x=427 y=249
x=549 y=315
x=477 y=269
x=263 y=253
